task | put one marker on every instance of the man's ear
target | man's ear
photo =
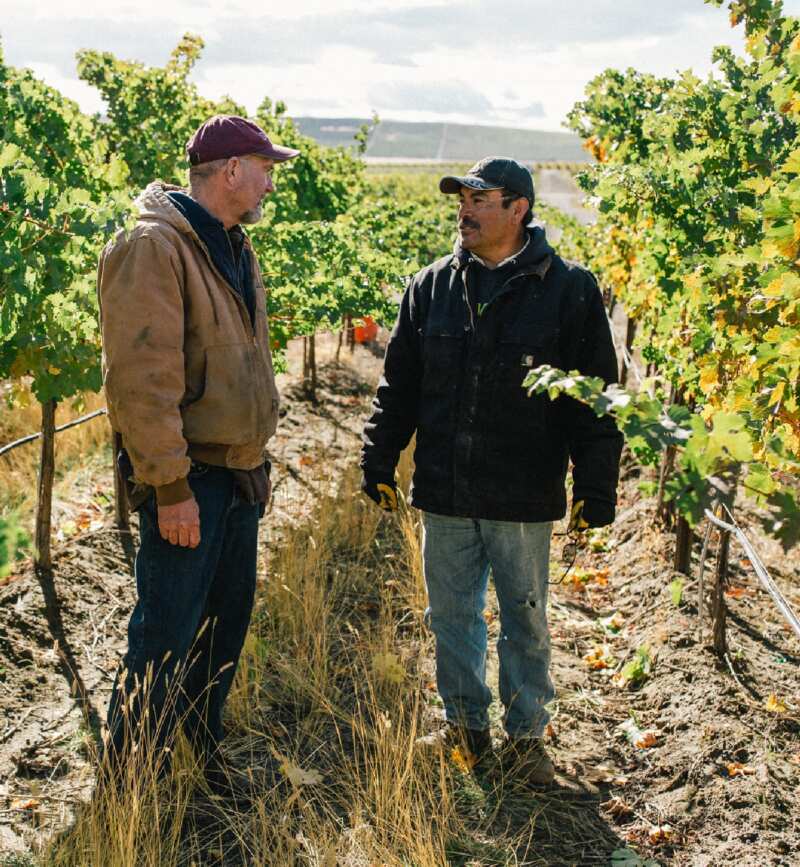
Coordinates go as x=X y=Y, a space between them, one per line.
x=233 y=170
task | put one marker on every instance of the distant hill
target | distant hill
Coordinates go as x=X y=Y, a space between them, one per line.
x=448 y=142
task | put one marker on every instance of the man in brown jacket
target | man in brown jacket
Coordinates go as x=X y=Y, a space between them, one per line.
x=191 y=390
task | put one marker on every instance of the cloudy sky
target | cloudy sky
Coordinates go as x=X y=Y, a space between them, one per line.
x=514 y=63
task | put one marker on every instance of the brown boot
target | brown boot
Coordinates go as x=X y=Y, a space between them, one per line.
x=525 y=761
x=471 y=746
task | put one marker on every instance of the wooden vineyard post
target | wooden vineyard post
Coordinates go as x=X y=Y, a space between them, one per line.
x=630 y=335
x=351 y=334
x=312 y=366
x=339 y=344
x=121 y=506
x=663 y=508
x=44 y=506
x=683 y=546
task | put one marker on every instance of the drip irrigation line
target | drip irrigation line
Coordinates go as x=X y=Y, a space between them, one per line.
x=623 y=350
x=763 y=576
x=35 y=436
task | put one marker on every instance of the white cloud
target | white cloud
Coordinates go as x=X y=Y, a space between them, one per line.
x=407 y=59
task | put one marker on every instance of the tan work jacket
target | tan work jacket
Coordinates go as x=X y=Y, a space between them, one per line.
x=186 y=374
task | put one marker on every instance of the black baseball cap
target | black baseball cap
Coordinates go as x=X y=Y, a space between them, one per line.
x=493 y=173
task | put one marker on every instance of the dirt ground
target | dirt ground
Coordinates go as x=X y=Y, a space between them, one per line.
x=679 y=757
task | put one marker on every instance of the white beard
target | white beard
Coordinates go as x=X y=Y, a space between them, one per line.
x=251 y=216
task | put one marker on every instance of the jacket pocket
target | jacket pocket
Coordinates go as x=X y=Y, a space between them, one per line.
x=510 y=401
x=233 y=405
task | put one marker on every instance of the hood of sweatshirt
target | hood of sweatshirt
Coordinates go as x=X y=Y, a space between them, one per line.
x=534 y=256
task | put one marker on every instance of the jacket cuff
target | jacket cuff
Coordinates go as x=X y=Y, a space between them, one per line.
x=597 y=513
x=175 y=492
x=375 y=478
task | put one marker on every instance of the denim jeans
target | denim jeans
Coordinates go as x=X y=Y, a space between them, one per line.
x=458 y=554
x=189 y=623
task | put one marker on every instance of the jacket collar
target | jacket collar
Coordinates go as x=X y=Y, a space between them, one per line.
x=534 y=258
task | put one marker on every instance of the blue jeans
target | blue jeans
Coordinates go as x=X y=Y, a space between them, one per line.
x=189 y=623
x=458 y=554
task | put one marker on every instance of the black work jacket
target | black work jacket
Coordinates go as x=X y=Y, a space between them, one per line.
x=485 y=449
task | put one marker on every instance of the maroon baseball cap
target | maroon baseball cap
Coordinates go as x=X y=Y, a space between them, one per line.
x=226 y=135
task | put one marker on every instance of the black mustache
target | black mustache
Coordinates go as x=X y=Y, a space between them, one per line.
x=468 y=224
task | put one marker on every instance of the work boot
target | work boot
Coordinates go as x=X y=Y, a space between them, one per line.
x=225 y=782
x=466 y=746
x=525 y=761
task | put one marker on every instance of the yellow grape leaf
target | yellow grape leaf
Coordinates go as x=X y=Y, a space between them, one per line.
x=297 y=776
x=758 y=185
x=774 y=704
x=737 y=769
x=53 y=371
x=387 y=667
x=709 y=379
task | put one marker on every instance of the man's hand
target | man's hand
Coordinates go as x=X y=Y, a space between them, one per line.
x=382 y=492
x=180 y=523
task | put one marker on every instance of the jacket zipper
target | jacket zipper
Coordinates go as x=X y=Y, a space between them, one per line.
x=466 y=301
x=243 y=307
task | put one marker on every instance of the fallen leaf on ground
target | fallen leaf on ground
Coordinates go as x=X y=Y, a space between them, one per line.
x=641 y=738
x=774 y=704
x=646 y=739
x=580 y=578
x=737 y=592
x=297 y=776
x=612 y=624
x=660 y=834
x=606 y=774
x=616 y=806
x=25 y=804
x=636 y=670
x=599 y=657
x=550 y=732
x=737 y=769
x=306 y=461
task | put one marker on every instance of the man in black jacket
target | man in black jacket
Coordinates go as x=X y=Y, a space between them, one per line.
x=491 y=462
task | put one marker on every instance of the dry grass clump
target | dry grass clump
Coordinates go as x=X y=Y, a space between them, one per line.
x=325 y=708
x=80 y=451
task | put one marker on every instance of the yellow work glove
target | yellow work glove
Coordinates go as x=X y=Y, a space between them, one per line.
x=382 y=493
x=577 y=523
